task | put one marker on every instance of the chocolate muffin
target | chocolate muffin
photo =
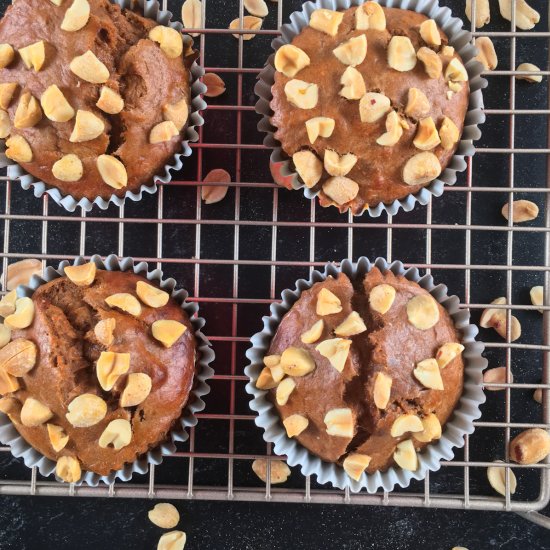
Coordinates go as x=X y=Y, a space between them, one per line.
x=365 y=373
x=369 y=103
x=92 y=98
x=99 y=367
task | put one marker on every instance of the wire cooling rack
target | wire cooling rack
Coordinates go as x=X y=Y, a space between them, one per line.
x=236 y=256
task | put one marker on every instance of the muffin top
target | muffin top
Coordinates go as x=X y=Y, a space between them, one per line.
x=101 y=373
x=92 y=98
x=365 y=372
x=369 y=103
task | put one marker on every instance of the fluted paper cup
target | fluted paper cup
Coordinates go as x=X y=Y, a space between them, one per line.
x=204 y=356
x=459 y=424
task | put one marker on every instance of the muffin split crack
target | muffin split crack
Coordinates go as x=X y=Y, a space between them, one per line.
x=369 y=103
x=94 y=98
x=365 y=373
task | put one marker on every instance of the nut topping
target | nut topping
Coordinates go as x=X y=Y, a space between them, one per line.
x=422 y=312
x=353 y=85
x=295 y=424
x=483 y=12
x=428 y=374
x=340 y=189
x=406 y=423
x=151 y=295
x=401 y=54
x=319 y=126
x=326 y=21
x=314 y=333
x=58 y=437
x=277 y=373
x=290 y=60
x=68 y=469
x=355 y=464
x=5 y=335
x=23 y=315
x=327 y=303
x=382 y=390
x=351 y=325
x=494 y=376
x=18 y=357
x=522 y=211
x=164 y=515
x=339 y=422
x=430 y=33
x=7 y=303
x=163 y=131
x=18 y=149
x=87 y=126
x=373 y=107
x=138 y=387
x=455 y=71
x=125 y=302
x=370 y=15
x=449 y=134
x=308 y=166
x=34 y=413
x=284 y=389
x=81 y=275
x=112 y=171
x=336 y=350
x=381 y=298
x=447 y=51
x=265 y=380
x=531 y=68
x=110 y=366
x=431 y=429
x=279 y=470
x=76 y=16
x=272 y=360
x=5 y=124
x=86 y=410
x=89 y=68
x=353 y=51
x=526 y=16
x=104 y=331
x=191 y=15
x=8 y=383
x=426 y=136
x=20 y=273
x=530 y=446
x=405 y=455
x=12 y=407
x=177 y=112
x=297 y=362
x=256 y=7
x=7 y=54
x=110 y=101
x=7 y=91
x=497 y=478
x=28 y=112
x=303 y=95
x=170 y=40
x=167 y=332
x=338 y=165
x=34 y=55
x=496 y=318
x=174 y=540
x=249 y=22
x=432 y=62
x=418 y=105
x=421 y=169
x=536 y=294
x=447 y=352
x=55 y=106
x=394 y=131
x=118 y=433
x=487 y=55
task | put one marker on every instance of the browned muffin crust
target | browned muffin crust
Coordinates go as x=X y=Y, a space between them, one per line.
x=68 y=349
x=379 y=169
x=139 y=71
x=391 y=345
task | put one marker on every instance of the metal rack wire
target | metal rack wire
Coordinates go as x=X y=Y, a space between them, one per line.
x=236 y=256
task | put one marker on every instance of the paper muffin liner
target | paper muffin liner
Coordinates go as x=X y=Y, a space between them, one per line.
x=150 y=9
x=459 y=424
x=280 y=163
x=20 y=448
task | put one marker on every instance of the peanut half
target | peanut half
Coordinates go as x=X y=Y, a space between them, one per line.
x=526 y=16
x=421 y=169
x=355 y=464
x=89 y=68
x=174 y=540
x=497 y=319
x=483 y=12
x=326 y=21
x=382 y=390
x=295 y=424
x=76 y=16
x=313 y=334
x=530 y=446
x=297 y=362
x=20 y=273
x=167 y=332
x=308 y=166
x=125 y=302
x=68 y=469
x=340 y=422
x=170 y=40
x=81 y=275
x=34 y=413
x=529 y=67
x=109 y=101
x=487 y=55
x=353 y=84
x=336 y=350
x=112 y=171
x=18 y=357
x=68 y=168
x=522 y=211
x=340 y=189
x=290 y=60
x=401 y=54
x=55 y=105
x=118 y=433
x=370 y=15
x=191 y=15
x=497 y=479
x=279 y=470
x=151 y=295
x=23 y=315
x=138 y=387
x=110 y=366
x=164 y=515
x=250 y=22
x=338 y=165
x=86 y=410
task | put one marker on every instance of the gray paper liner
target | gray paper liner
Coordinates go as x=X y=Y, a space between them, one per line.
x=205 y=355
x=151 y=9
x=280 y=163
x=459 y=424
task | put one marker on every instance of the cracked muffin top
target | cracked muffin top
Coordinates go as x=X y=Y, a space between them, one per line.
x=365 y=373
x=92 y=98
x=369 y=103
x=99 y=367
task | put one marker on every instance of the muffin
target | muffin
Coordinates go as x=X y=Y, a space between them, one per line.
x=93 y=99
x=98 y=369
x=369 y=103
x=365 y=373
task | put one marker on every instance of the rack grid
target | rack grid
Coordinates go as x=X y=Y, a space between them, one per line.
x=236 y=256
